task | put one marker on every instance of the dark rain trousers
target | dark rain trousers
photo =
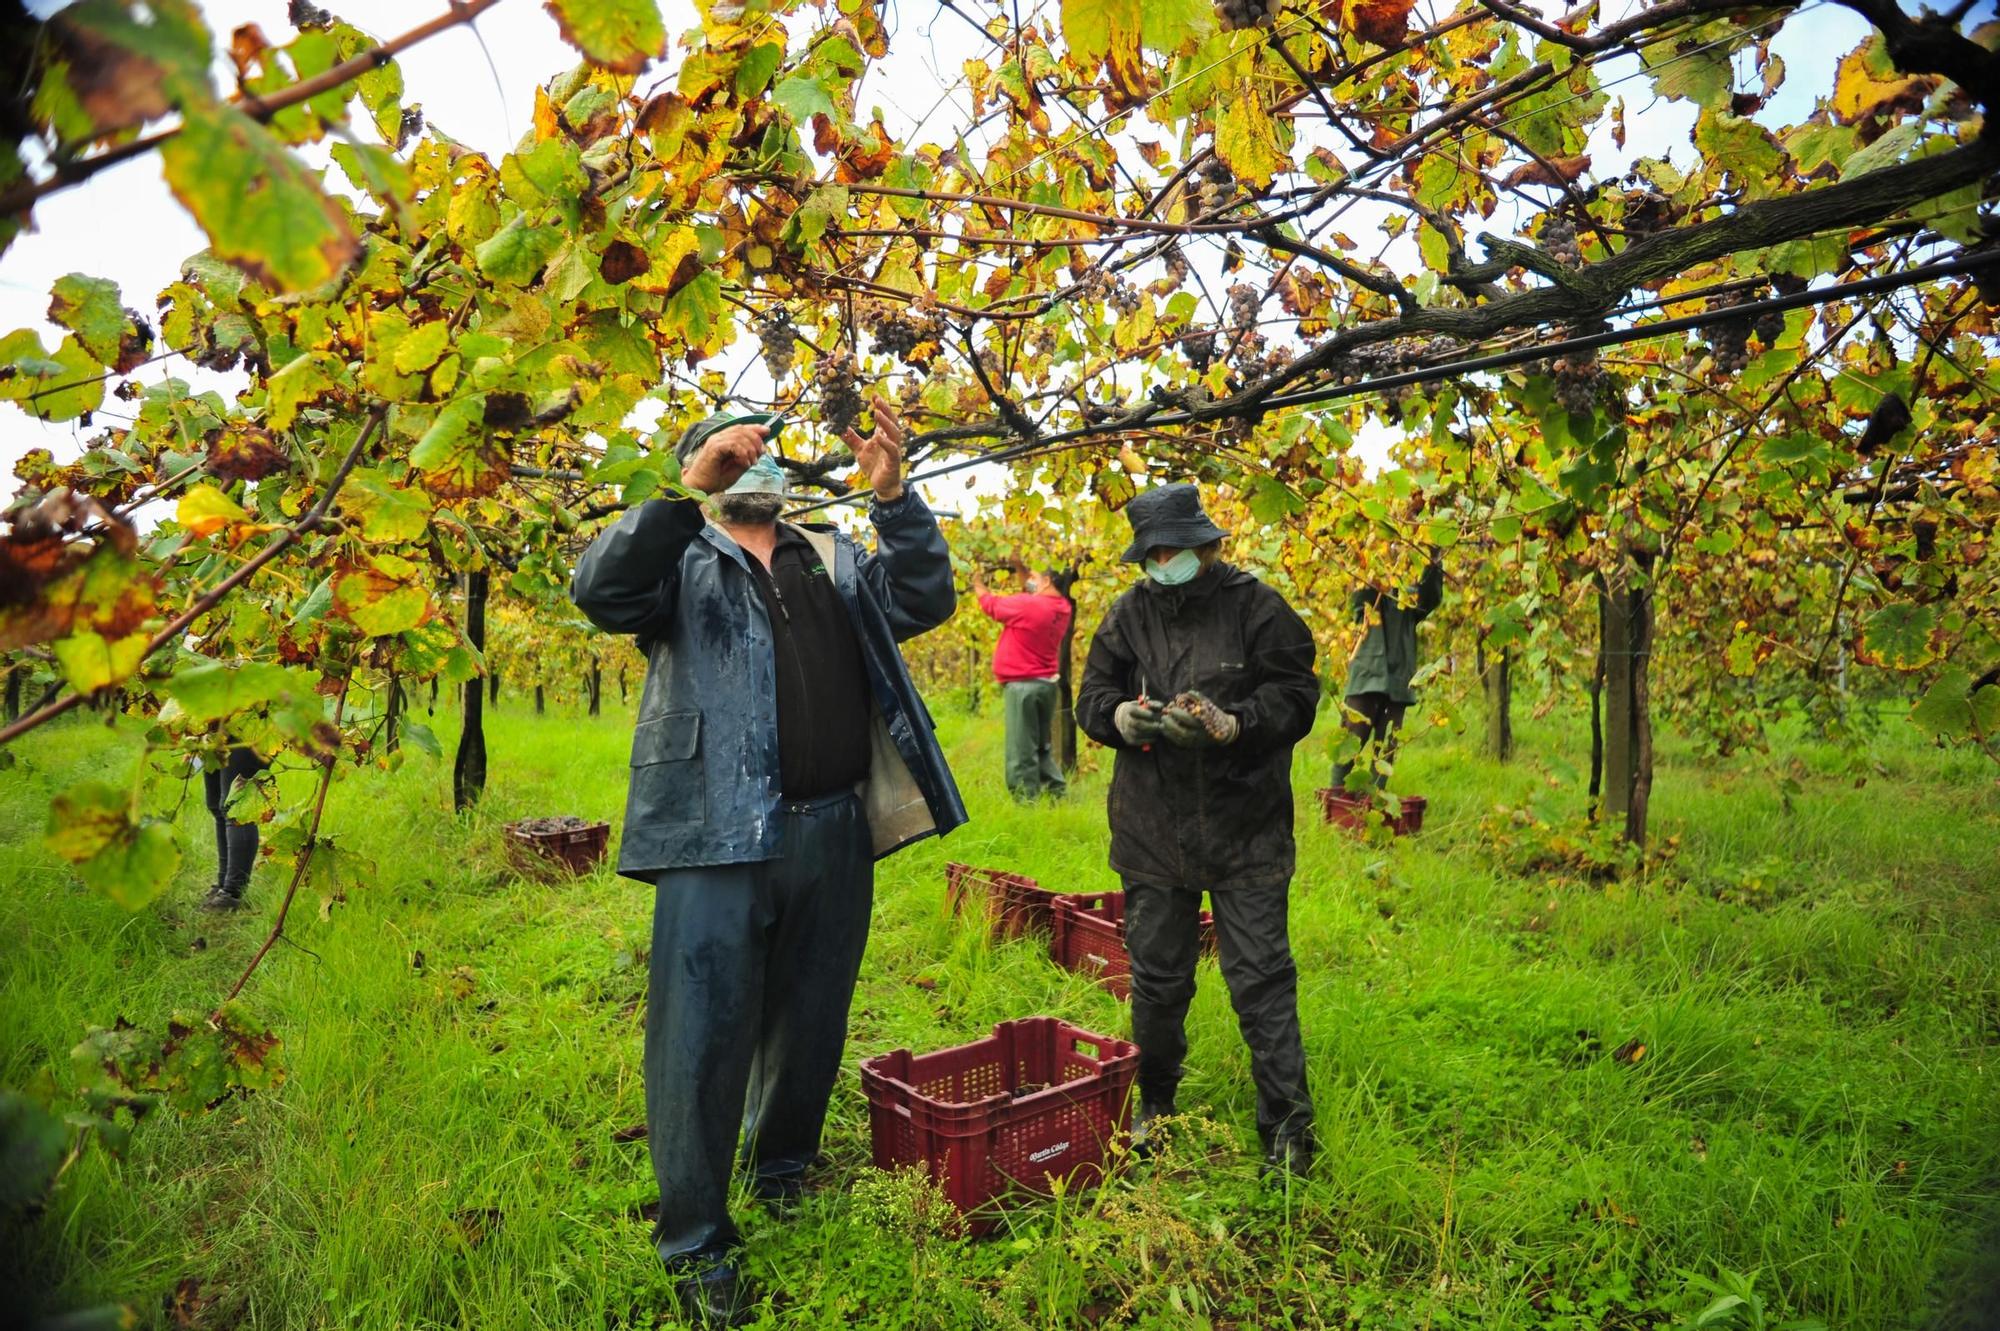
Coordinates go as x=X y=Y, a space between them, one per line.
x=752 y=972
x=235 y=843
x=1163 y=937
x=1031 y=764
x=1380 y=717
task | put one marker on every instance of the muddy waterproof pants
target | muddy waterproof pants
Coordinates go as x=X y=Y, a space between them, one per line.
x=752 y=971
x=1253 y=943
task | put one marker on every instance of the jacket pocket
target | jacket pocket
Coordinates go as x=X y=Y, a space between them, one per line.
x=668 y=785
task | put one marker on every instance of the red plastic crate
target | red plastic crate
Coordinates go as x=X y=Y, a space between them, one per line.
x=1345 y=810
x=1089 y=938
x=576 y=850
x=1015 y=903
x=1037 y=1101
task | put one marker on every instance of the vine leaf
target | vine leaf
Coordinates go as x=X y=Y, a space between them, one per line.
x=92 y=662
x=457 y=457
x=1383 y=22
x=1900 y=636
x=383 y=596
x=32 y=1141
x=89 y=307
x=126 y=858
x=214 y=690
x=262 y=208
x=388 y=512
x=621 y=35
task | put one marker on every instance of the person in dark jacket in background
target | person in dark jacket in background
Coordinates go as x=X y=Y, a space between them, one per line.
x=1378 y=690
x=1027 y=662
x=235 y=843
x=781 y=748
x=1201 y=678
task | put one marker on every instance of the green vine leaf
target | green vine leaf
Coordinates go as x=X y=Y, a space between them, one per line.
x=262 y=209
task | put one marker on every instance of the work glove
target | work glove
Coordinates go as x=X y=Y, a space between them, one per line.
x=1193 y=722
x=1138 y=722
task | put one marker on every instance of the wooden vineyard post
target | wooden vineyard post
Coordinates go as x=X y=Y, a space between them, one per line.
x=1626 y=644
x=1496 y=678
x=468 y=769
x=1617 y=646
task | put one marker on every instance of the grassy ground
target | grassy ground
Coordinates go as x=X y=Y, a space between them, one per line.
x=1815 y=981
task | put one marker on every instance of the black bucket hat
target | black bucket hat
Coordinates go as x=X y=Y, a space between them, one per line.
x=1168 y=515
x=698 y=434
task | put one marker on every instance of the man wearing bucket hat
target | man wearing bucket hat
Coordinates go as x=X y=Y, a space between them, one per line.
x=1201 y=678
x=781 y=748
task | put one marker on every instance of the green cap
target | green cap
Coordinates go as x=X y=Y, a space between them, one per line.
x=698 y=434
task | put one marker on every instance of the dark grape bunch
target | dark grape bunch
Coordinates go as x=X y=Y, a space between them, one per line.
x=839 y=394
x=1122 y=296
x=1729 y=341
x=1199 y=348
x=1176 y=264
x=1648 y=211
x=1247 y=13
x=1769 y=326
x=1559 y=240
x=779 y=342
x=1245 y=302
x=899 y=333
x=1579 y=381
x=1212 y=718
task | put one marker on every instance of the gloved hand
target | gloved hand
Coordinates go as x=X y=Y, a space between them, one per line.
x=1138 y=721
x=1193 y=722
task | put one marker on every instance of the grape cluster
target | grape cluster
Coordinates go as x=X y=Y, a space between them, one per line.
x=1729 y=341
x=1579 y=381
x=1559 y=239
x=1199 y=348
x=777 y=337
x=1247 y=13
x=1769 y=326
x=1214 y=186
x=1113 y=290
x=900 y=333
x=1245 y=301
x=839 y=392
x=1648 y=211
x=1176 y=264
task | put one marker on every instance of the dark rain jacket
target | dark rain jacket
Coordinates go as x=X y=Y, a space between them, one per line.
x=1203 y=819
x=705 y=787
x=1386 y=658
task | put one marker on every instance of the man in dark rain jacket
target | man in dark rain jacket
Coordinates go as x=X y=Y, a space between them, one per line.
x=1378 y=688
x=1201 y=678
x=781 y=748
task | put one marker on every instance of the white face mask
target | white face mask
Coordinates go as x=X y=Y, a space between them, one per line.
x=1182 y=568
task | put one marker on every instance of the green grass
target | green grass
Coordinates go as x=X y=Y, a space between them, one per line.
x=1817 y=991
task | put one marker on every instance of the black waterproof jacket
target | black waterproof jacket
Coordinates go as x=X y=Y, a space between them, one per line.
x=1203 y=819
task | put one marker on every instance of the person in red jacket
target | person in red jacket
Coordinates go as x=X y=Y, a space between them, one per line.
x=1027 y=663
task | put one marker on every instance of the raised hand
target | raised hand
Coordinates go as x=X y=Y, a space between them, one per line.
x=880 y=456
x=723 y=457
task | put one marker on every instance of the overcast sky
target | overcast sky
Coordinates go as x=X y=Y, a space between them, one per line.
x=123 y=224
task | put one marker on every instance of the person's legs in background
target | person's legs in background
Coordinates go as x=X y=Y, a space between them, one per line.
x=235 y=842
x=1023 y=754
x=1053 y=783
x=1361 y=718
